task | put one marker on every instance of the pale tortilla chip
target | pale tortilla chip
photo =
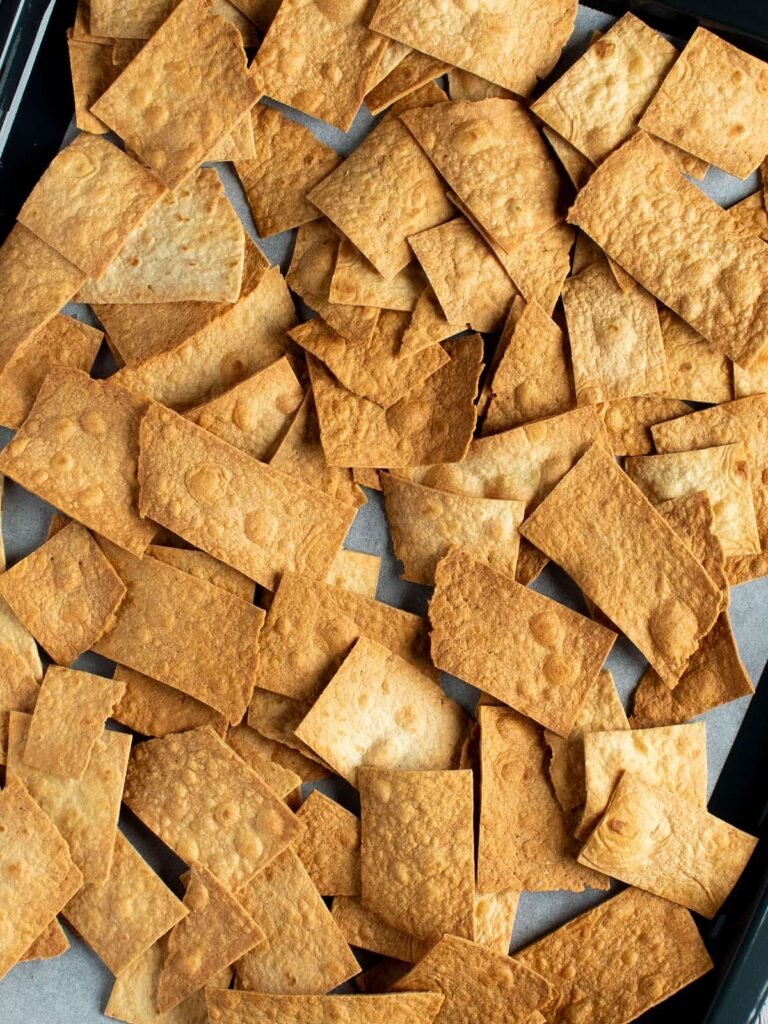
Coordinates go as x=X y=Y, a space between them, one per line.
x=751 y=213
x=362 y=928
x=357 y=283
x=524 y=839
x=68 y=719
x=578 y=167
x=234 y=825
x=753 y=381
x=698 y=372
x=256 y=1008
x=203 y=567
x=428 y=325
x=248 y=744
x=628 y=421
x=637 y=194
x=418 y=850
x=92 y=73
x=356 y=571
x=652 y=839
x=329 y=846
x=287 y=163
x=50 y=944
x=153 y=708
x=639 y=574
x=172 y=112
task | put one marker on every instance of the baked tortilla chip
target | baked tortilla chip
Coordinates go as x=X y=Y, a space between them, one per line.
x=752 y=214
x=425 y=523
x=288 y=162
x=662 y=936
x=418 y=850
x=172 y=112
x=233 y=825
x=641 y=575
x=92 y=74
x=428 y=324
x=366 y=930
x=578 y=167
x=20 y=671
x=636 y=195
x=698 y=372
x=50 y=944
x=203 y=567
x=238 y=145
x=153 y=708
x=85 y=811
x=521 y=647
x=463 y=85
x=329 y=846
x=356 y=571
x=356 y=282
x=652 y=839
x=186 y=633
x=66 y=593
x=68 y=719
x=305 y=951
x=276 y=717
x=495 y=914
x=693 y=519
x=247 y=743
x=411 y=73
x=628 y=421
x=525 y=840
x=256 y=1008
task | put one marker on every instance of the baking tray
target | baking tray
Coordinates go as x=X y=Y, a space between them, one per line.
x=36 y=109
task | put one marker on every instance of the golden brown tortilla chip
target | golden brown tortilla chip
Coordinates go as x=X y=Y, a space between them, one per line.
x=628 y=421
x=276 y=717
x=203 y=567
x=92 y=73
x=578 y=167
x=156 y=709
x=692 y=518
x=250 y=744
x=428 y=324
x=698 y=372
x=172 y=112
x=463 y=85
x=49 y=944
x=356 y=571
x=411 y=73
x=240 y=144
x=495 y=914
x=20 y=671
x=247 y=743
x=356 y=282
x=751 y=213
x=257 y=1008
x=329 y=846
x=363 y=928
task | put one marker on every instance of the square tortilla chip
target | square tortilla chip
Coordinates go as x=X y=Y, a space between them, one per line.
x=380 y=710
x=89 y=430
x=320 y=59
x=643 y=577
x=68 y=719
x=698 y=372
x=203 y=567
x=85 y=811
x=38 y=874
x=714 y=104
x=411 y=73
x=745 y=420
x=66 y=593
x=637 y=194
x=433 y=423
x=355 y=571
x=357 y=283
x=428 y=324
x=92 y=74
x=369 y=197
x=155 y=709
x=477 y=983
x=525 y=837
x=88 y=201
x=329 y=846
x=246 y=742
x=663 y=937
x=672 y=756
x=186 y=633
x=287 y=163
x=628 y=421
x=234 y=825
x=171 y=112
x=493 y=158
x=257 y=1008
x=216 y=932
x=523 y=648
x=366 y=930
x=50 y=944
x=615 y=338
x=512 y=46
x=600 y=712
x=250 y=516
x=470 y=283
x=425 y=523
x=418 y=850
x=652 y=839
x=190 y=247
x=305 y=951
x=722 y=472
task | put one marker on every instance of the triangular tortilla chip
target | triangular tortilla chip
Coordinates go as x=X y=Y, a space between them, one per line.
x=692 y=518
x=255 y=744
x=256 y=1008
x=428 y=324
x=50 y=944
x=276 y=717
x=329 y=846
x=575 y=164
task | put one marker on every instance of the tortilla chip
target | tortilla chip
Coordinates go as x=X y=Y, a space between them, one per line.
x=525 y=840
x=463 y=85
x=329 y=847
x=645 y=579
x=698 y=372
x=68 y=719
x=250 y=745
x=92 y=73
x=628 y=421
x=370 y=196
x=82 y=27
x=216 y=932
x=356 y=571
x=240 y=144
x=751 y=213
x=665 y=946
x=672 y=756
x=637 y=194
x=288 y=162
x=753 y=381
x=470 y=283
x=434 y=423
x=320 y=60
x=200 y=487
x=578 y=167
x=428 y=325
x=134 y=23
x=276 y=717
x=50 y=944
x=153 y=708
x=203 y=567
x=418 y=850
x=85 y=811
x=521 y=647
x=20 y=671
x=411 y=73
x=651 y=838
x=38 y=874
x=362 y=928
x=257 y=1008
x=367 y=478
x=66 y=593
x=378 y=709
x=186 y=633
x=234 y=825
x=357 y=283
x=170 y=112
x=692 y=518
x=511 y=47
x=495 y=914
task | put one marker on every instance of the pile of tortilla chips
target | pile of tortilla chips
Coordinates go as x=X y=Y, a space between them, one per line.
x=205 y=490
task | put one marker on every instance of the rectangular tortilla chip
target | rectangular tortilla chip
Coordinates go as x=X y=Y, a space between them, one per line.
x=524 y=840
x=329 y=846
x=663 y=937
x=356 y=282
x=652 y=839
x=637 y=194
x=234 y=825
x=356 y=571
x=156 y=709
x=186 y=633
x=257 y=1008
x=698 y=372
x=642 y=576
x=418 y=850
x=241 y=511
x=528 y=651
x=366 y=930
